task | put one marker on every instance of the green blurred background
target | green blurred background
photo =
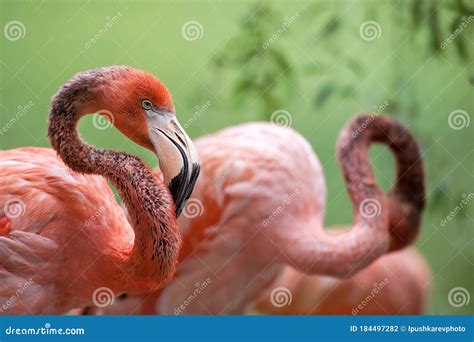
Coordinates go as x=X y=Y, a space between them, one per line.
x=228 y=62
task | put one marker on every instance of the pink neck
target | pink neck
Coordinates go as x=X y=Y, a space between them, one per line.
x=382 y=223
x=153 y=257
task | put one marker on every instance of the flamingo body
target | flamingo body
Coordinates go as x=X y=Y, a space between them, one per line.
x=64 y=241
x=396 y=284
x=260 y=205
x=58 y=214
x=248 y=172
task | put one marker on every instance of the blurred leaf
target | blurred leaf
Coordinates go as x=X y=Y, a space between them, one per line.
x=281 y=61
x=331 y=27
x=347 y=91
x=355 y=66
x=438 y=197
x=325 y=92
x=459 y=40
x=435 y=30
x=264 y=70
x=434 y=14
x=464 y=10
x=471 y=79
x=392 y=106
x=417 y=13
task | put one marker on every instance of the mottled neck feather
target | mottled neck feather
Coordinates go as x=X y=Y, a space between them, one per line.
x=407 y=196
x=149 y=203
x=151 y=210
x=382 y=223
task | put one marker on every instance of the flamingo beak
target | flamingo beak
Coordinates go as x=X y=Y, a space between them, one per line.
x=178 y=159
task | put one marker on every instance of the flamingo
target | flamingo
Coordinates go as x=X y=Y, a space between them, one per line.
x=64 y=240
x=258 y=208
x=396 y=284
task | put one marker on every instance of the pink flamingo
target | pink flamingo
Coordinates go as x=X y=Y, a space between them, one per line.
x=64 y=240
x=396 y=284
x=260 y=205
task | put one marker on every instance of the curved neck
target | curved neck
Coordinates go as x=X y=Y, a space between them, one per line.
x=153 y=257
x=382 y=223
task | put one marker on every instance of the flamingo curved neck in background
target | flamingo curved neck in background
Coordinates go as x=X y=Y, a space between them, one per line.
x=375 y=215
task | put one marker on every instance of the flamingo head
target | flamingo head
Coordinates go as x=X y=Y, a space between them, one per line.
x=143 y=110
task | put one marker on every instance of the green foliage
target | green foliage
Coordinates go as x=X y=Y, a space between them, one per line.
x=442 y=19
x=263 y=70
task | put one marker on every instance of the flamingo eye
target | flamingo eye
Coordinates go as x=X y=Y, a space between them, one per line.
x=146 y=104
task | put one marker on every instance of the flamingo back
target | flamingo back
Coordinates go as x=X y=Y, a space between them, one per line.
x=39 y=197
x=258 y=180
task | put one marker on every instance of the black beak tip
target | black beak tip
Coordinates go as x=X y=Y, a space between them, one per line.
x=178 y=211
x=181 y=188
